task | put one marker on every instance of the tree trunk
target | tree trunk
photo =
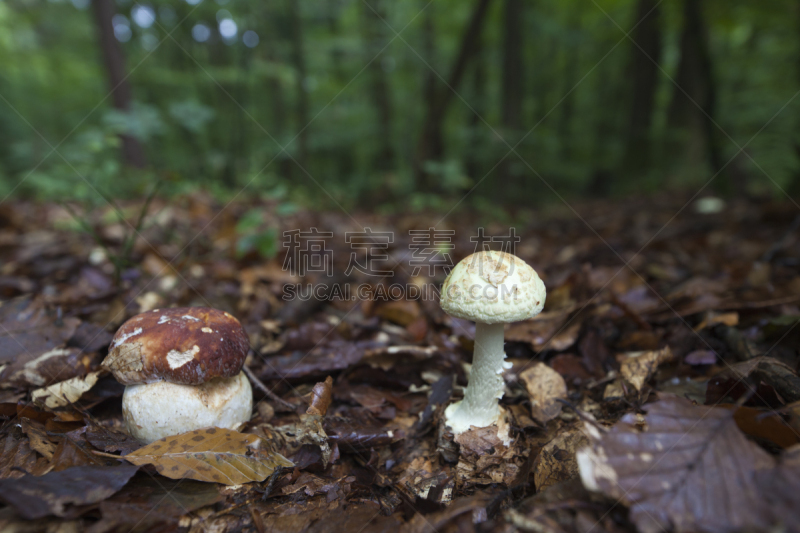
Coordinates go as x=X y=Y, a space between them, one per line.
x=511 y=88
x=431 y=145
x=571 y=58
x=644 y=76
x=694 y=106
x=511 y=103
x=114 y=59
x=278 y=32
x=299 y=60
x=381 y=97
x=476 y=147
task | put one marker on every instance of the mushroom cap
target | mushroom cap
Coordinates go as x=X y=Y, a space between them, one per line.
x=153 y=411
x=186 y=345
x=493 y=287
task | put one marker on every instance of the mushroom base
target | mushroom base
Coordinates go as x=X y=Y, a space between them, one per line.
x=153 y=411
x=459 y=421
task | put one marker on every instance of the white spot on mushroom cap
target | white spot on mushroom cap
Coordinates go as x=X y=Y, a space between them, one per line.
x=207 y=330
x=125 y=336
x=164 y=319
x=177 y=359
x=189 y=317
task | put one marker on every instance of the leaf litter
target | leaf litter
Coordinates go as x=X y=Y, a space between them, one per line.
x=348 y=433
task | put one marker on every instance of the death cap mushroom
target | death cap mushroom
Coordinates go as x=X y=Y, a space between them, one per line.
x=493 y=287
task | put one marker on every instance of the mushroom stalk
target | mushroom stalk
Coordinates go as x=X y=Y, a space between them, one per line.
x=479 y=407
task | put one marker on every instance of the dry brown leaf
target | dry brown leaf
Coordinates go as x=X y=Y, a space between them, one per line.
x=556 y=462
x=689 y=469
x=637 y=368
x=37 y=436
x=545 y=387
x=214 y=455
x=728 y=319
x=66 y=392
x=34 y=497
x=29 y=334
x=321 y=396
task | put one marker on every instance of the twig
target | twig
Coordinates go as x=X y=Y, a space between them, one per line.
x=260 y=385
x=110 y=455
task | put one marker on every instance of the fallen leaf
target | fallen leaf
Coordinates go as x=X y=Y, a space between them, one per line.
x=402 y=312
x=214 y=455
x=16 y=455
x=544 y=330
x=321 y=397
x=637 y=368
x=728 y=319
x=614 y=391
x=545 y=387
x=556 y=462
x=37 y=436
x=689 y=469
x=28 y=331
x=107 y=440
x=147 y=501
x=34 y=497
x=65 y=393
x=764 y=371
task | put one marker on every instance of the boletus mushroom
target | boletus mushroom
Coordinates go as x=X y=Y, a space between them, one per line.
x=181 y=368
x=492 y=289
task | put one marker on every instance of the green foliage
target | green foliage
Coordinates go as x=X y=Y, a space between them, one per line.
x=226 y=117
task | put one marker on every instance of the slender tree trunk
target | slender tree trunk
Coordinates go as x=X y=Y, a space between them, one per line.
x=511 y=99
x=697 y=107
x=277 y=34
x=644 y=76
x=570 y=76
x=476 y=147
x=374 y=35
x=299 y=60
x=431 y=145
x=114 y=59
x=511 y=87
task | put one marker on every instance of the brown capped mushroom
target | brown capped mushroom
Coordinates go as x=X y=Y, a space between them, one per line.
x=182 y=371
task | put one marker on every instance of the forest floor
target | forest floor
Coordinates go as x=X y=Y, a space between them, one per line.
x=662 y=374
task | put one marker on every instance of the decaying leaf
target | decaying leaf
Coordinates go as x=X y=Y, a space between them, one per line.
x=37 y=436
x=614 y=391
x=147 y=501
x=214 y=455
x=484 y=459
x=690 y=469
x=28 y=331
x=66 y=392
x=766 y=370
x=637 y=368
x=37 y=496
x=556 y=462
x=545 y=387
x=321 y=396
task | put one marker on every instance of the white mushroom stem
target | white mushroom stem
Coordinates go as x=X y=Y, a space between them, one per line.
x=479 y=407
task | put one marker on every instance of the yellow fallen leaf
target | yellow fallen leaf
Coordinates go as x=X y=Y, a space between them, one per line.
x=214 y=455
x=66 y=392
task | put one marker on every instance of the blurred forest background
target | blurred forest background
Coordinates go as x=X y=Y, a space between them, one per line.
x=398 y=104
